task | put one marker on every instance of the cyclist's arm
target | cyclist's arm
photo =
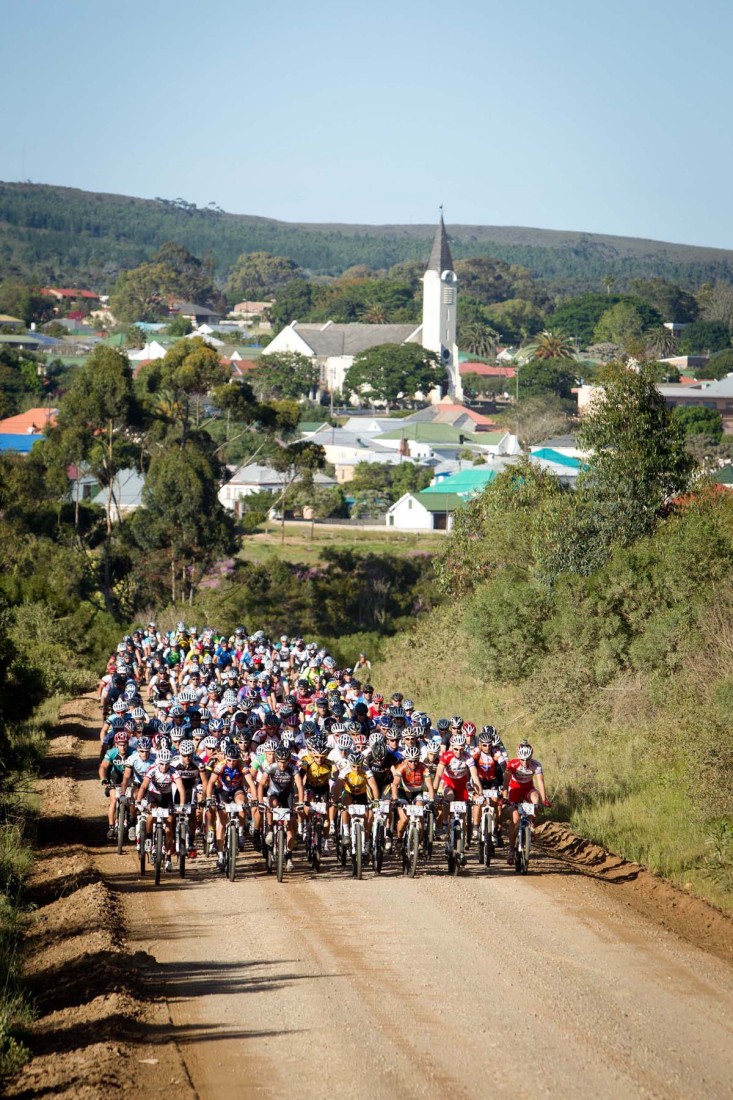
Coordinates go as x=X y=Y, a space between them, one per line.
x=373 y=787
x=429 y=785
x=438 y=774
x=125 y=779
x=473 y=772
x=541 y=786
x=299 y=787
x=338 y=789
x=395 y=783
x=143 y=788
x=104 y=769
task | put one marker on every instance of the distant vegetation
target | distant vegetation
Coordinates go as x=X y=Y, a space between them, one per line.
x=64 y=235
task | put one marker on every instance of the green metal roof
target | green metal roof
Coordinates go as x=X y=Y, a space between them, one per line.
x=440 y=502
x=724 y=476
x=424 y=431
x=469 y=481
x=558 y=457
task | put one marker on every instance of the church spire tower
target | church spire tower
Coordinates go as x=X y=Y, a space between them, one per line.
x=439 y=308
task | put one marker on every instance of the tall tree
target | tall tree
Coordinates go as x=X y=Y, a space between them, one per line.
x=296 y=461
x=393 y=371
x=284 y=374
x=258 y=275
x=549 y=345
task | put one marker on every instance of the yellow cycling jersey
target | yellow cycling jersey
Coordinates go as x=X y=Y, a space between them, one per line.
x=317 y=773
x=355 y=780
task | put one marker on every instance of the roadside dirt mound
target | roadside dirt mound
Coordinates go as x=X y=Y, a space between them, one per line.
x=94 y=1025
x=690 y=917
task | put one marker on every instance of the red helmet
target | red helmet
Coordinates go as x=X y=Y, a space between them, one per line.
x=122 y=739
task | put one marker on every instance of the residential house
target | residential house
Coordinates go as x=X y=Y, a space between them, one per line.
x=31 y=422
x=126 y=494
x=446 y=411
x=705 y=395
x=196 y=314
x=152 y=350
x=64 y=294
x=255 y=478
x=424 y=511
x=6 y=321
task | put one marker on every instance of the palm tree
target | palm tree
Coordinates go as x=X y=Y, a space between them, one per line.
x=479 y=339
x=375 y=314
x=662 y=342
x=549 y=345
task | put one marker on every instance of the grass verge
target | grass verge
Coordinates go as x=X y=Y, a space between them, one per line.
x=18 y=811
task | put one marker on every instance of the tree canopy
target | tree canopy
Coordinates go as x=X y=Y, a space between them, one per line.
x=392 y=371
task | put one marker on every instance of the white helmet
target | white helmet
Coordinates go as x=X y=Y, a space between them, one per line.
x=458 y=740
x=524 y=752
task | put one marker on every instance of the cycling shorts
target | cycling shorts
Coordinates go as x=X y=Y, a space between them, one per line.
x=318 y=794
x=357 y=799
x=411 y=797
x=521 y=793
x=286 y=799
x=224 y=797
x=157 y=798
x=454 y=792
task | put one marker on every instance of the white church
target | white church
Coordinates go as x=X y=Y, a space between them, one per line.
x=335 y=346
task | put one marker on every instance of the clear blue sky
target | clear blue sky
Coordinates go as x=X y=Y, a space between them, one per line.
x=600 y=116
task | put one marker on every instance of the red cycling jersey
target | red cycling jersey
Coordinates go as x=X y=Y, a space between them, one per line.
x=457 y=768
x=485 y=766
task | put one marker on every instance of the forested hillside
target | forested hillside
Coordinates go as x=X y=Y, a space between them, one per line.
x=64 y=235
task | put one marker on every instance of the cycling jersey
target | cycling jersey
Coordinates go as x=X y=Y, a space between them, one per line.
x=488 y=770
x=230 y=778
x=118 y=764
x=140 y=767
x=411 y=775
x=188 y=773
x=317 y=772
x=522 y=772
x=355 y=779
x=159 y=782
x=457 y=767
x=281 y=778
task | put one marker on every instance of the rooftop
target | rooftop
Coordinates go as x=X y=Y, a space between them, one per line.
x=440 y=257
x=33 y=420
x=350 y=339
x=465 y=483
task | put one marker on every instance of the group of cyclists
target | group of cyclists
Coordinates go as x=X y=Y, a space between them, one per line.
x=246 y=725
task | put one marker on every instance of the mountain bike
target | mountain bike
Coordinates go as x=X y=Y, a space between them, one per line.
x=142 y=835
x=380 y=816
x=313 y=833
x=231 y=838
x=411 y=840
x=524 y=837
x=356 y=813
x=428 y=830
x=183 y=814
x=456 y=843
x=122 y=818
x=158 y=855
x=487 y=825
x=281 y=816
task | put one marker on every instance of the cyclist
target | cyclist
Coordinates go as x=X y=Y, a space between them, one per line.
x=157 y=789
x=228 y=782
x=137 y=766
x=519 y=776
x=111 y=773
x=317 y=770
x=279 y=782
x=491 y=776
x=353 y=786
x=410 y=777
x=456 y=768
x=191 y=770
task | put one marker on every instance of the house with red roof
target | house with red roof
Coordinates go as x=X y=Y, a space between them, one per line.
x=31 y=422
x=66 y=294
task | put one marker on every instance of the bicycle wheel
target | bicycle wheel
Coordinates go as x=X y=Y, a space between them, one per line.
x=429 y=836
x=413 y=844
x=342 y=850
x=121 y=824
x=378 y=848
x=158 y=851
x=526 y=847
x=356 y=852
x=143 y=841
x=232 y=849
x=280 y=853
x=182 y=846
x=454 y=861
x=317 y=842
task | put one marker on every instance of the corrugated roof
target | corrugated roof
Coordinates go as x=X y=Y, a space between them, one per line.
x=548 y=455
x=469 y=481
x=350 y=339
x=33 y=421
x=440 y=502
x=20 y=443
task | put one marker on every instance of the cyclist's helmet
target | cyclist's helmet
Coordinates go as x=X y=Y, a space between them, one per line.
x=361 y=710
x=282 y=751
x=458 y=740
x=319 y=744
x=144 y=744
x=378 y=752
x=231 y=750
x=456 y=722
x=119 y=706
x=271 y=719
x=210 y=742
x=164 y=756
x=223 y=744
x=269 y=745
x=216 y=725
x=442 y=725
x=247 y=704
x=408 y=704
x=397 y=712
x=117 y=722
x=121 y=738
x=344 y=742
x=376 y=738
x=434 y=745
x=356 y=758
x=139 y=714
x=411 y=752
x=485 y=737
x=422 y=721
x=176 y=711
x=205 y=714
x=309 y=728
x=469 y=728
x=186 y=748
x=524 y=752
x=378 y=697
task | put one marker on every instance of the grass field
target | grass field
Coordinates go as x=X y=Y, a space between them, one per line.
x=298 y=546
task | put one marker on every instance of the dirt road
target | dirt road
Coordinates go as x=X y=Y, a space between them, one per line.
x=490 y=985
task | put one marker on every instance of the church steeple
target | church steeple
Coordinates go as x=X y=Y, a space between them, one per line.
x=440 y=257
x=439 y=308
